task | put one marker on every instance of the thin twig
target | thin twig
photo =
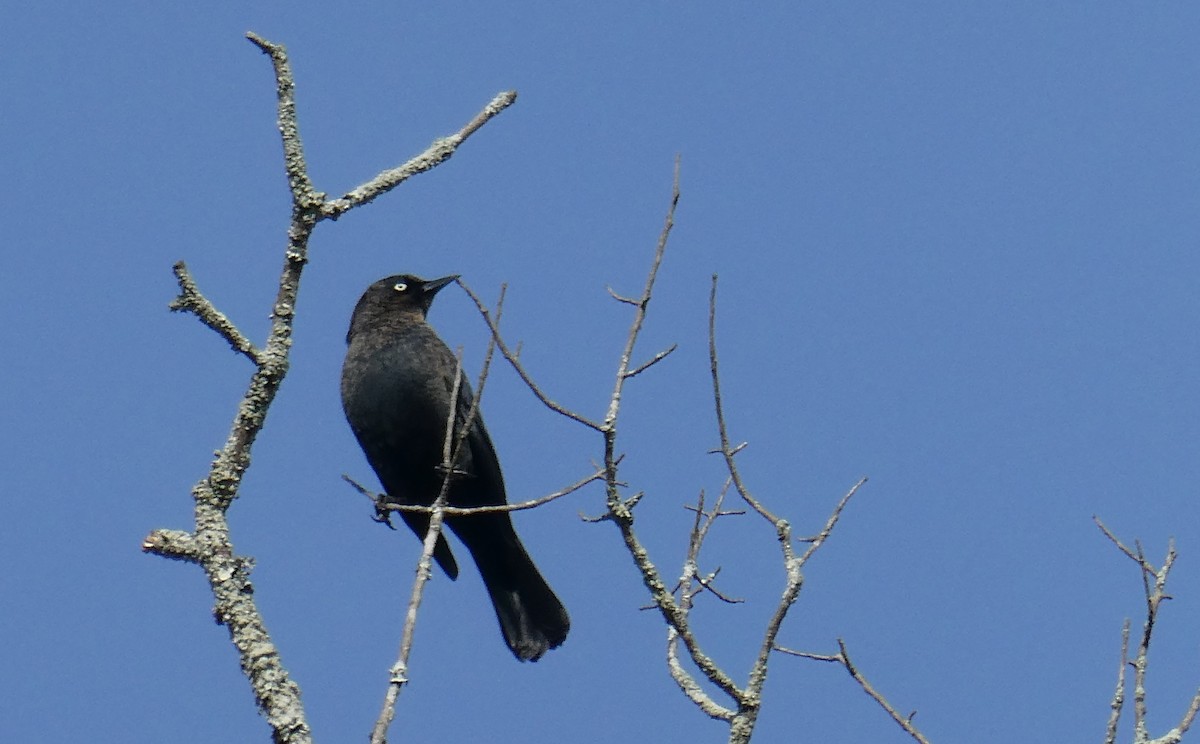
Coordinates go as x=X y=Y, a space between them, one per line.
x=626 y=505
x=639 y=316
x=727 y=451
x=1140 y=560
x=904 y=721
x=707 y=583
x=380 y=500
x=514 y=359
x=808 y=654
x=823 y=535
x=653 y=361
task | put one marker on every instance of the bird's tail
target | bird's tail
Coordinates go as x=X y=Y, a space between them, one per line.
x=531 y=617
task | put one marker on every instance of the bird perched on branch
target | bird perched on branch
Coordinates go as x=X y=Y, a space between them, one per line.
x=397 y=384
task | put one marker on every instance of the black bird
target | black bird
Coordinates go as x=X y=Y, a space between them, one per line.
x=397 y=381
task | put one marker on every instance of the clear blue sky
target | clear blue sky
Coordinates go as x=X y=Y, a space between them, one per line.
x=958 y=253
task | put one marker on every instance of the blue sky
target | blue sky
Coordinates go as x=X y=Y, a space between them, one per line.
x=957 y=249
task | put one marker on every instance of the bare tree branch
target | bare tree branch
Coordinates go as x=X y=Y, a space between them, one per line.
x=727 y=451
x=808 y=654
x=304 y=196
x=688 y=685
x=743 y=723
x=209 y=545
x=1118 y=700
x=639 y=317
x=843 y=658
x=1154 y=585
x=619 y=510
x=823 y=535
x=437 y=153
x=701 y=524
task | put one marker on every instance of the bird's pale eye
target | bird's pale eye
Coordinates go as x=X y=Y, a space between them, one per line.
x=400 y=287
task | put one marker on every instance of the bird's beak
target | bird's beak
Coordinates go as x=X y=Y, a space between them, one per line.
x=431 y=287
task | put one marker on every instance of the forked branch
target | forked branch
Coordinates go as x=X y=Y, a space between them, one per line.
x=208 y=544
x=1154 y=591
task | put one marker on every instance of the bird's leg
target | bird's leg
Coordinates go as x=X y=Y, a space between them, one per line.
x=383 y=511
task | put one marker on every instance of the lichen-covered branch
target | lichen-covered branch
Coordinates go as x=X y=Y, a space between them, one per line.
x=209 y=544
x=439 y=152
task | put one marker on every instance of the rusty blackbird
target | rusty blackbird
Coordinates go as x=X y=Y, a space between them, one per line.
x=397 y=381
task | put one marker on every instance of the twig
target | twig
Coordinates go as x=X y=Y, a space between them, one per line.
x=823 y=535
x=191 y=300
x=436 y=154
x=904 y=721
x=621 y=298
x=727 y=451
x=1135 y=557
x=809 y=654
x=653 y=361
x=619 y=511
x=514 y=359
x=706 y=582
x=457 y=511
x=639 y=316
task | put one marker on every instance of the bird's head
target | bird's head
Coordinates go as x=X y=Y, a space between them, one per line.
x=396 y=297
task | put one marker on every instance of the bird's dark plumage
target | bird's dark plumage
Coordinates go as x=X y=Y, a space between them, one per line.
x=397 y=382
